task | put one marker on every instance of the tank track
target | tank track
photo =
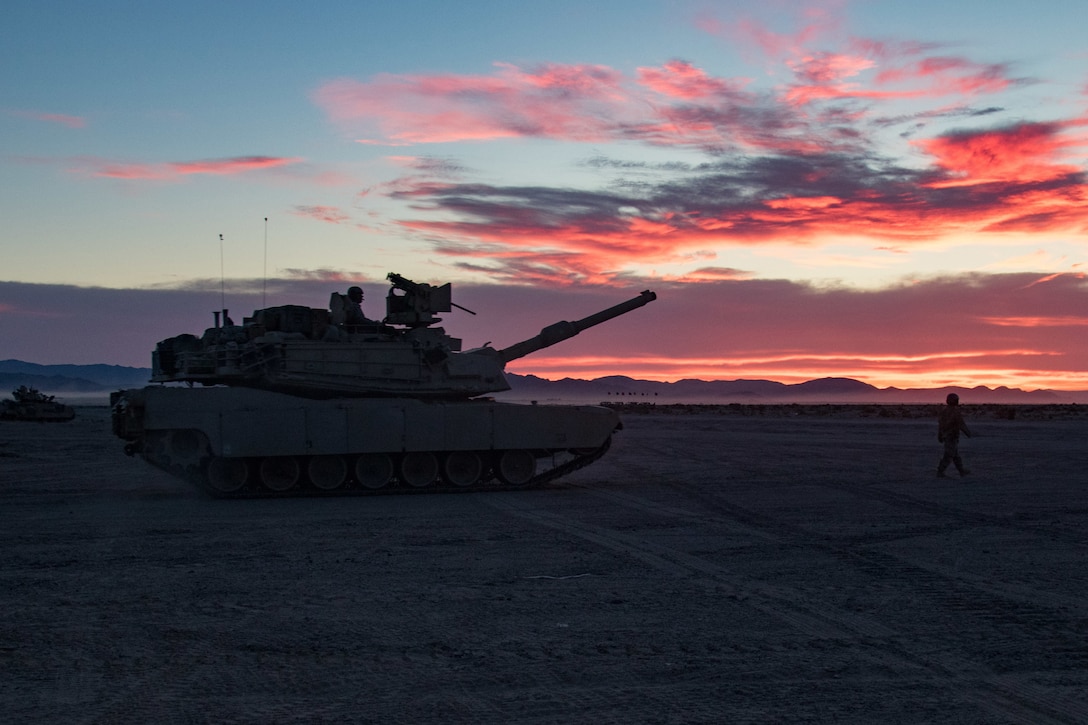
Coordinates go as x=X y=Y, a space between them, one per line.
x=196 y=473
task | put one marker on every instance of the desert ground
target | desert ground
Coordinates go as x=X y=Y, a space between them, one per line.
x=731 y=564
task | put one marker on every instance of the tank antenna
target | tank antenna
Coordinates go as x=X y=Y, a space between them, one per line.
x=222 y=277
x=264 y=281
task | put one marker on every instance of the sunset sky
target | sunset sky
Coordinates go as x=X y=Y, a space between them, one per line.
x=889 y=191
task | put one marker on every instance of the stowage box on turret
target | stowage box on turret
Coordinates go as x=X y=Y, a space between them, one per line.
x=301 y=400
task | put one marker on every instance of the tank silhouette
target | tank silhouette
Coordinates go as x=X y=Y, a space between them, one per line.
x=302 y=400
x=30 y=404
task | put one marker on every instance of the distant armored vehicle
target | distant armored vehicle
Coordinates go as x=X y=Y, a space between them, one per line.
x=29 y=404
x=303 y=400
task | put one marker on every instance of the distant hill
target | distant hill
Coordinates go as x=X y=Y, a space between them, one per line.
x=97 y=381
x=70 y=380
x=824 y=390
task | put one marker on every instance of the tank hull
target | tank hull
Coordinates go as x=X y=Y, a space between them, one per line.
x=243 y=442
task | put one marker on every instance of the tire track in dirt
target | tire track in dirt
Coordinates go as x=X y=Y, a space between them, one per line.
x=896 y=498
x=677 y=563
x=1008 y=698
x=854 y=545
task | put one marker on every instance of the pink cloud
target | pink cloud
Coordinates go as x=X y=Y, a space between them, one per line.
x=236 y=165
x=551 y=100
x=815 y=24
x=171 y=171
x=824 y=75
x=868 y=68
x=61 y=118
x=578 y=103
x=328 y=214
x=681 y=79
x=675 y=104
x=949 y=75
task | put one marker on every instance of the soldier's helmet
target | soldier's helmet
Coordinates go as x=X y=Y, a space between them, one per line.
x=952 y=399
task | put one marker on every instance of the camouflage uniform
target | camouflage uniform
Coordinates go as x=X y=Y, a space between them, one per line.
x=950 y=424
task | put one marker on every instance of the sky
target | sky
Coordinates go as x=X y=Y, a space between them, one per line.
x=892 y=192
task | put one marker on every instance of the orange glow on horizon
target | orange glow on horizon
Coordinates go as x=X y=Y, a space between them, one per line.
x=951 y=369
x=1063 y=321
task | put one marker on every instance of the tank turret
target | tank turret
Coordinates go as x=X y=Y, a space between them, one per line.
x=338 y=352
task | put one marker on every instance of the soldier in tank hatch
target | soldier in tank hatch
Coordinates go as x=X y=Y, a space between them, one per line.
x=353 y=312
x=354 y=319
x=950 y=424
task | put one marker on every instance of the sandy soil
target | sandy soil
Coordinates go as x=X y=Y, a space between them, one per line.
x=713 y=567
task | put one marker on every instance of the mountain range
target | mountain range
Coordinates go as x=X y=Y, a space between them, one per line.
x=93 y=383
x=823 y=390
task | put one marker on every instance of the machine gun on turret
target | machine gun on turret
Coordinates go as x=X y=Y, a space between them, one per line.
x=418 y=303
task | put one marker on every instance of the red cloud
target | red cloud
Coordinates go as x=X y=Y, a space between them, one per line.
x=1025 y=152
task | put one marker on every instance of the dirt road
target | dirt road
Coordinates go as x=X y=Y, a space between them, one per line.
x=711 y=568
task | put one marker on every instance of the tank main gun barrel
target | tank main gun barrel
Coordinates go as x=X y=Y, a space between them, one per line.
x=560 y=331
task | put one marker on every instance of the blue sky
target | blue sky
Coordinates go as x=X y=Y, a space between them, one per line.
x=758 y=158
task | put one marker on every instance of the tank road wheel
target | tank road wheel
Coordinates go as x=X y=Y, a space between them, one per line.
x=279 y=473
x=516 y=468
x=327 y=472
x=462 y=468
x=373 y=470
x=418 y=469
x=227 y=475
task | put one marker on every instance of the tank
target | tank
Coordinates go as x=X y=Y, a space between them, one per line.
x=305 y=401
x=29 y=404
